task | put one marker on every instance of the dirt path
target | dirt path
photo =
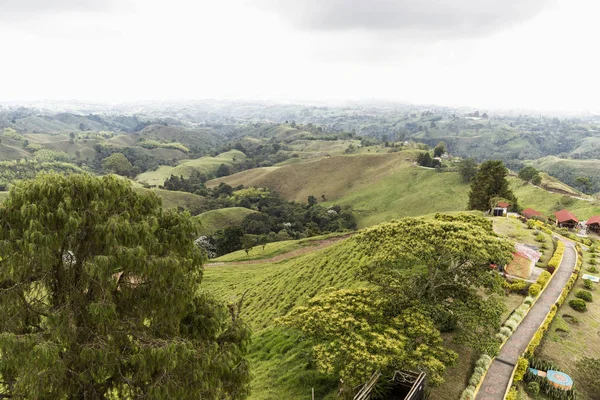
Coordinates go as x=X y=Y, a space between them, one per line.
x=314 y=246
x=498 y=377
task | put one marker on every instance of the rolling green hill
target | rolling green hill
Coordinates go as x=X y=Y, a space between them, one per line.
x=214 y=220
x=380 y=187
x=203 y=165
x=174 y=199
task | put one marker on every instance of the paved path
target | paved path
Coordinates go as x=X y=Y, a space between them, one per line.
x=498 y=376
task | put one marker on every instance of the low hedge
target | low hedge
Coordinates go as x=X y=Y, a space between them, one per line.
x=584 y=295
x=558 y=255
x=539 y=334
x=534 y=290
x=543 y=279
x=521 y=369
x=578 y=305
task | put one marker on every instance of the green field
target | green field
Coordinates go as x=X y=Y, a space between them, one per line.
x=212 y=221
x=3 y=195
x=275 y=249
x=281 y=358
x=203 y=165
x=174 y=199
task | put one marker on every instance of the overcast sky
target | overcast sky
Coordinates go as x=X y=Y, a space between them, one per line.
x=483 y=53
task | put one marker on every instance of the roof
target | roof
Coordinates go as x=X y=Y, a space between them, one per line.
x=593 y=220
x=565 y=216
x=530 y=212
x=527 y=252
x=503 y=204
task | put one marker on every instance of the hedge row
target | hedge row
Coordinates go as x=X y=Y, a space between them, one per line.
x=557 y=256
x=481 y=366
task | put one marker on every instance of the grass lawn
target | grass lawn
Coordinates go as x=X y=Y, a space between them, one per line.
x=516 y=230
x=203 y=165
x=214 y=220
x=3 y=195
x=573 y=335
x=274 y=249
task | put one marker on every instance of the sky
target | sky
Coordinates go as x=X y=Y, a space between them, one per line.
x=483 y=53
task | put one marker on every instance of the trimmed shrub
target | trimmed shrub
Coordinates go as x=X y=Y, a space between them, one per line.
x=467 y=394
x=557 y=256
x=529 y=300
x=501 y=337
x=578 y=305
x=512 y=324
x=533 y=388
x=543 y=279
x=515 y=286
x=484 y=361
x=540 y=238
x=530 y=224
x=512 y=394
x=593 y=270
x=534 y=290
x=522 y=365
x=584 y=295
x=588 y=284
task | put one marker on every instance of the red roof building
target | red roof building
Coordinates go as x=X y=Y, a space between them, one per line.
x=594 y=223
x=566 y=218
x=503 y=204
x=531 y=213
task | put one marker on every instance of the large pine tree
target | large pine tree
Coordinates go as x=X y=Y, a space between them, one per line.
x=488 y=184
x=100 y=298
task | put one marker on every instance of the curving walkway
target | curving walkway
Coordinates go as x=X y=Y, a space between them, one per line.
x=498 y=377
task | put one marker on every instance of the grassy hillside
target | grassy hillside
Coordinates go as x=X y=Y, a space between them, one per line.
x=333 y=177
x=203 y=165
x=281 y=359
x=3 y=195
x=214 y=220
x=568 y=170
x=173 y=199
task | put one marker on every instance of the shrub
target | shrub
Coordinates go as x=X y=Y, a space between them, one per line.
x=551 y=269
x=515 y=285
x=512 y=324
x=578 y=305
x=512 y=394
x=501 y=337
x=557 y=256
x=467 y=394
x=484 y=361
x=543 y=279
x=534 y=290
x=540 y=238
x=529 y=300
x=475 y=379
x=533 y=388
x=588 y=284
x=584 y=295
x=522 y=365
x=593 y=269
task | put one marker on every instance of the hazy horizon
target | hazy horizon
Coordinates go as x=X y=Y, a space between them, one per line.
x=492 y=54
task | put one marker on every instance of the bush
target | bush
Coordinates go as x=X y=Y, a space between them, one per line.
x=584 y=295
x=593 y=269
x=534 y=290
x=588 y=284
x=557 y=256
x=533 y=388
x=515 y=286
x=512 y=394
x=529 y=300
x=467 y=394
x=484 y=361
x=543 y=279
x=522 y=365
x=530 y=224
x=540 y=238
x=578 y=305
x=505 y=330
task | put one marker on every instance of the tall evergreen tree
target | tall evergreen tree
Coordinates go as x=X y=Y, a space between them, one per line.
x=99 y=298
x=489 y=183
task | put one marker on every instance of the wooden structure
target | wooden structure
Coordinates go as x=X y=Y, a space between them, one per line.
x=501 y=209
x=566 y=219
x=404 y=386
x=593 y=224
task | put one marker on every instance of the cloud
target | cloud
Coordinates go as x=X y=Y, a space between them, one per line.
x=10 y=9
x=443 y=17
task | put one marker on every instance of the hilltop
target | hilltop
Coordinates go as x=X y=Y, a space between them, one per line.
x=380 y=187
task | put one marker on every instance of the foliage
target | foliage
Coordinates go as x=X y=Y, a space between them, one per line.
x=550 y=392
x=12 y=171
x=539 y=334
x=578 y=305
x=467 y=169
x=47 y=155
x=440 y=149
x=588 y=284
x=515 y=286
x=558 y=255
x=534 y=290
x=434 y=265
x=117 y=163
x=355 y=337
x=488 y=184
x=530 y=174
x=584 y=295
x=521 y=369
x=512 y=394
x=424 y=159
x=100 y=298
x=543 y=279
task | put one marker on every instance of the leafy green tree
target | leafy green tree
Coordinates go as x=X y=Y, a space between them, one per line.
x=117 y=163
x=489 y=183
x=467 y=169
x=441 y=267
x=223 y=170
x=530 y=174
x=248 y=242
x=99 y=298
x=584 y=183
x=440 y=149
x=312 y=200
x=355 y=337
x=424 y=159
